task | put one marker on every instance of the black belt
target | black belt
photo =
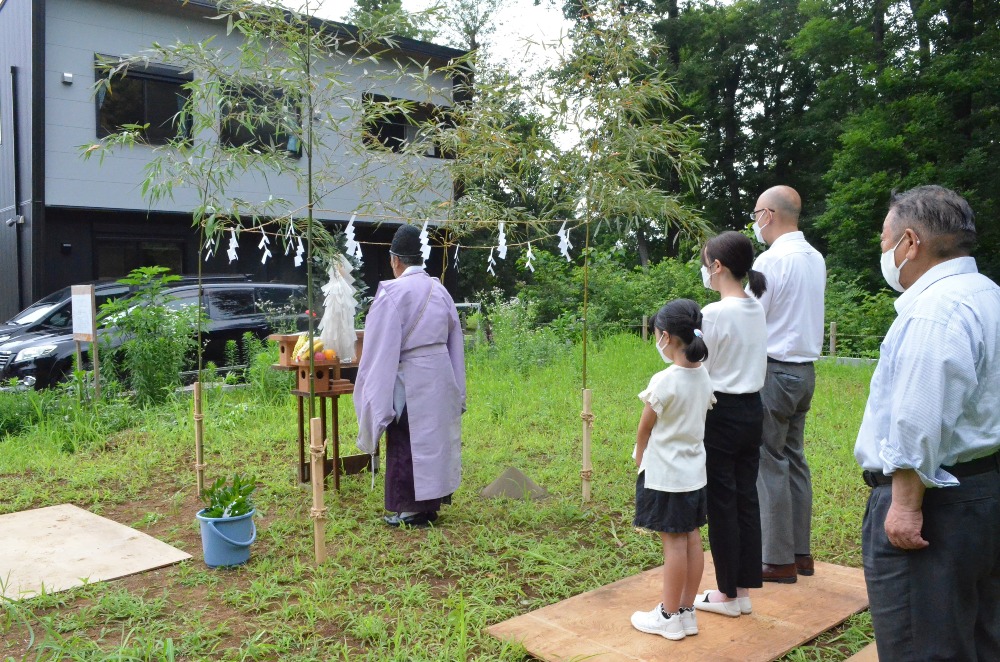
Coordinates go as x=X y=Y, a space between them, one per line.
x=960 y=470
x=799 y=363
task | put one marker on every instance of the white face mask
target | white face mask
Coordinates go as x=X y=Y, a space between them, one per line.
x=889 y=269
x=659 y=350
x=757 y=228
x=706 y=277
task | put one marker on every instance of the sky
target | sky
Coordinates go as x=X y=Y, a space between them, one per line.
x=520 y=22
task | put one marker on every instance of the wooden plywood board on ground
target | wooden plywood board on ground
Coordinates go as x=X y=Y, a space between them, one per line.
x=595 y=625
x=866 y=654
x=60 y=547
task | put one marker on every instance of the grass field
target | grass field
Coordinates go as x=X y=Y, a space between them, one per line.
x=386 y=594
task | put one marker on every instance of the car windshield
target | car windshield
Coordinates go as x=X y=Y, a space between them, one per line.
x=41 y=308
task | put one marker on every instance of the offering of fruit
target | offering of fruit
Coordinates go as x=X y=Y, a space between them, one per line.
x=329 y=354
x=302 y=348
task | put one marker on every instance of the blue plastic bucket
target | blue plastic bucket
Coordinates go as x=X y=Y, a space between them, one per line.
x=226 y=540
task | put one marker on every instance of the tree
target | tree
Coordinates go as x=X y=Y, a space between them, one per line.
x=388 y=17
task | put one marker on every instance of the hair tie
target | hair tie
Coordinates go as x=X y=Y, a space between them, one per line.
x=697 y=333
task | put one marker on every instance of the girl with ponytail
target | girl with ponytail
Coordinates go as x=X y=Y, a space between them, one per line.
x=669 y=453
x=736 y=336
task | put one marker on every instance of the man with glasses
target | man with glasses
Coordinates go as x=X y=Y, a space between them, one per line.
x=793 y=306
x=929 y=441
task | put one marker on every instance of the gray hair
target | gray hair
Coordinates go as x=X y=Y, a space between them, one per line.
x=939 y=212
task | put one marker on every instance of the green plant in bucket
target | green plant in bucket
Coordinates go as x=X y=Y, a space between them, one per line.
x=225 y=500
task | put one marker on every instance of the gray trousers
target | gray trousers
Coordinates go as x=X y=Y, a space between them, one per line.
x=941 y=602
x=784 y=486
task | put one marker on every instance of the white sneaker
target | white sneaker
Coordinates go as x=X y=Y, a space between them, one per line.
x=731 y=608
x=745 y=606
x=689 y=622
x=652 y=622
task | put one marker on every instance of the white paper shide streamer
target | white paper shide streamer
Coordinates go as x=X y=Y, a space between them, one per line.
x=490 y=263
x=351 y=244
x=233 y=245
x=528 y=258
x=564 y=243
x=501 y=242
x=210 y=247
x=264 y=241
x=336 y=329
x=425 y=245
x=457 y=246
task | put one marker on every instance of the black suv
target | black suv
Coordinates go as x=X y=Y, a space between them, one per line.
x=37 y=348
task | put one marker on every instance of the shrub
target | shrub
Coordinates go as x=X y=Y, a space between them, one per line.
x=153 y=340
x=515 y=337
x=862 y=318
x=618 y=297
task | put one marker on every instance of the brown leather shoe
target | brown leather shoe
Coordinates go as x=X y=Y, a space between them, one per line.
x=783 y=573
x=804 y=564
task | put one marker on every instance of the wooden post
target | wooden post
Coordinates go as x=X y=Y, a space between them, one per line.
x=645 y=328
x=199 y=434
x=833 y=338
x=588 y=426
x=97 y=370
x=317 y=449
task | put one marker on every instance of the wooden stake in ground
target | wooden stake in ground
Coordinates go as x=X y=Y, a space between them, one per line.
x=588 y=426
x=199 y=437
x=317 y=449
x=84 y=309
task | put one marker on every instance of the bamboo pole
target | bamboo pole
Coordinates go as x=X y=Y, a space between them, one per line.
x=199 y=438
x=645 y=328
x=588 y=426
x=833 y=338
x=317 y=449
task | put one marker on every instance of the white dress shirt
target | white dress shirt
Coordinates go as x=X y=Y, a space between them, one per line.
x=674 y=459
x=736 y=335
x=793 y=302
x=935 y=394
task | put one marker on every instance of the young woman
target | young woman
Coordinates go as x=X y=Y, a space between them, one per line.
x=736 y=336
x=670 y=489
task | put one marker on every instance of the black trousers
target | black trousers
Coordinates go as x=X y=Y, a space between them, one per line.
x=941 y=602
x=733 y=429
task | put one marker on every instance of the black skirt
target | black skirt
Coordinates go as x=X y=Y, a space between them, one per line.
x=669 y=512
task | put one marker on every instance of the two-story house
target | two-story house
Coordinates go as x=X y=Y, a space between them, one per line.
x=64 y=219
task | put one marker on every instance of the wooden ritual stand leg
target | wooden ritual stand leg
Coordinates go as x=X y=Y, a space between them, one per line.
x=335 y=442
x=323 y=399
x=303 y=465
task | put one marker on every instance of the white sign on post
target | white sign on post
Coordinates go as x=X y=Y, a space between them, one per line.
x=82 y=301
x=85 y=328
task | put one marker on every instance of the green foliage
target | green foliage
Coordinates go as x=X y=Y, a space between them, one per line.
x=153 y=338
x=862 y=318
x=619 y=296
x=844 y=102
x=515 y=337
x=266 y=383
x=226 y=499
x=19 y=410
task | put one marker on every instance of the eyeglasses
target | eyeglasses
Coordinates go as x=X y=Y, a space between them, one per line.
x=753 y=214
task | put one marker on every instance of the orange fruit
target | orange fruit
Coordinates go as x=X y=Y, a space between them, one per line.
x=329 y=354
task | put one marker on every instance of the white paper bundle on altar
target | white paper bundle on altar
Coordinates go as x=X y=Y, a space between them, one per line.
x=336 y=328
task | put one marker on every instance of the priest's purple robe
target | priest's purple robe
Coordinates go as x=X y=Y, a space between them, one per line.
x=412 y=334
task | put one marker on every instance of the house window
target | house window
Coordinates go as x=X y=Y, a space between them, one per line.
x=152 y=95
x=393 y=124
x=255 y=116
x=117 y=257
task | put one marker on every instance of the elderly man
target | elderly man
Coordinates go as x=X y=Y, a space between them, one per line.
x=793 y=307
x=929 y=441
x=411 y=384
